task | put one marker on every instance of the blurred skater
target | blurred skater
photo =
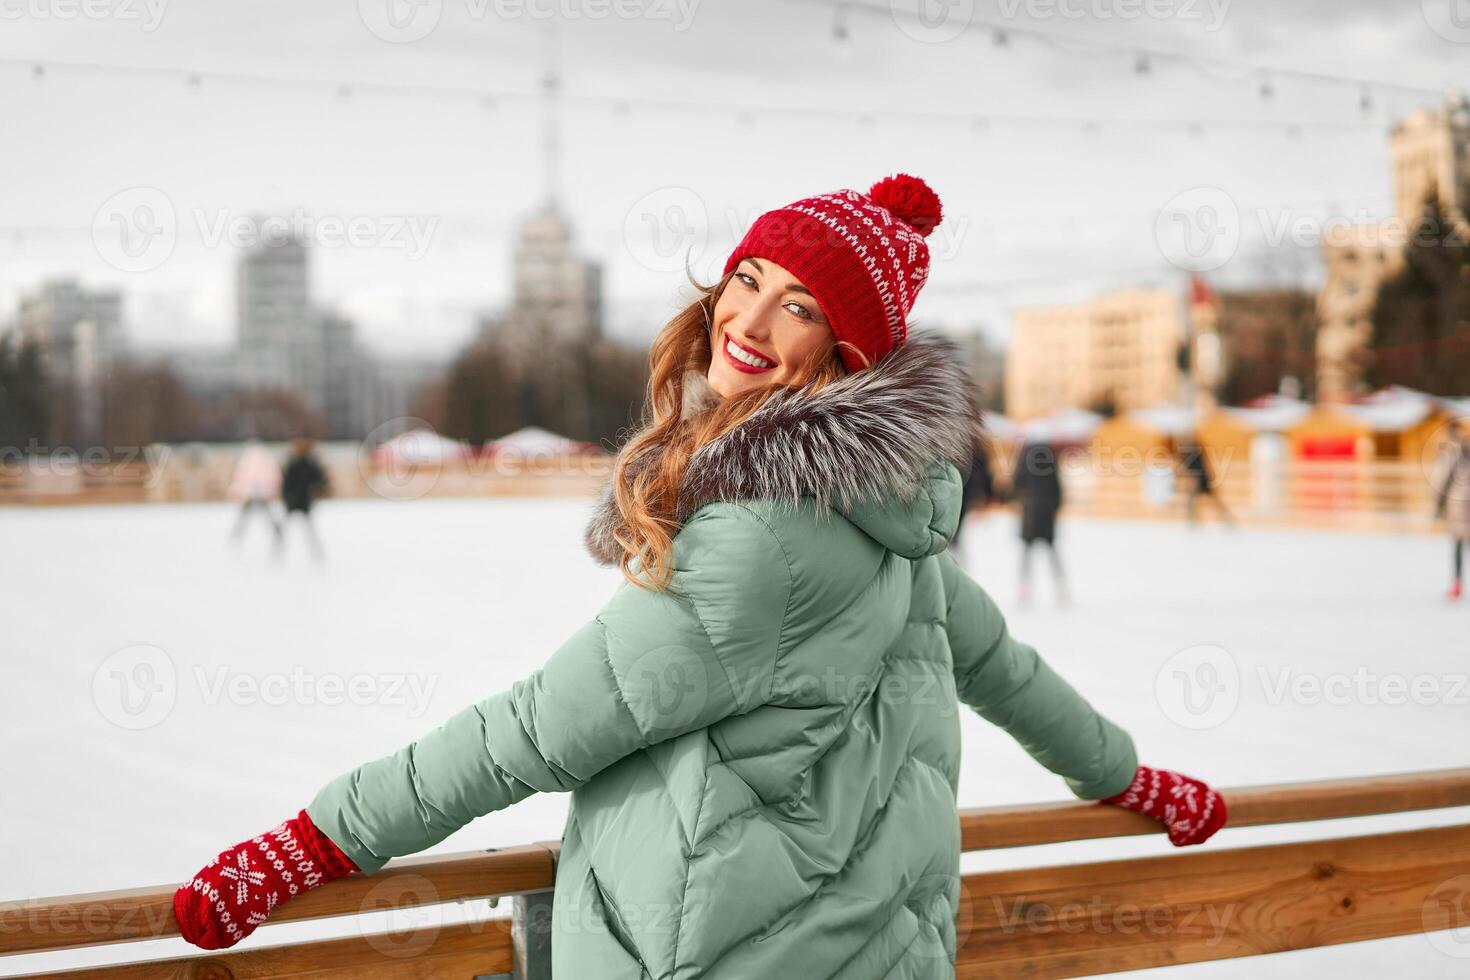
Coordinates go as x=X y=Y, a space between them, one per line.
x=305 y=481
x=256 y=483
x=1038 y=486
x=1201 y=482
x=1452 y=497
x=977 y=489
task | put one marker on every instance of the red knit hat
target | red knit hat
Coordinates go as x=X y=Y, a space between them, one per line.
x=863 y=256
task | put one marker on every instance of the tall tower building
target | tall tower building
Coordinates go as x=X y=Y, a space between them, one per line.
x=279 y=340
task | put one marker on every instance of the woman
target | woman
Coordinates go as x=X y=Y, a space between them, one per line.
x=759 y=729
x=1038 y=486
x=1452 y=497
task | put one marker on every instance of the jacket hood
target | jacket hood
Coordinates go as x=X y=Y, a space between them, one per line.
x=884 y=447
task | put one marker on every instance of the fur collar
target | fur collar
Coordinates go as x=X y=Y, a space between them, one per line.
x=870 y=434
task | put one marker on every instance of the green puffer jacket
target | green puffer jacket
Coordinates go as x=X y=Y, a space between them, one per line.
x=763 y=763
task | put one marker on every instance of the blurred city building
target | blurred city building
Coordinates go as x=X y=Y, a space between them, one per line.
x=1118 y=351
x=76 y=327
x=1431 y=159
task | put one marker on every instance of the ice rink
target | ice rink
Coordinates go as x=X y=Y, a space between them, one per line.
x=167 y=694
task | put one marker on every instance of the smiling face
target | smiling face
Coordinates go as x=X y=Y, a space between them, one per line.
x=766 y=324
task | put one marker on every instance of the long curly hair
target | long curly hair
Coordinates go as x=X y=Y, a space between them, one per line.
x=650 y=467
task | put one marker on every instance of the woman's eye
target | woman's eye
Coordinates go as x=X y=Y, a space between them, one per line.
x=746 y=278
x=799 y=310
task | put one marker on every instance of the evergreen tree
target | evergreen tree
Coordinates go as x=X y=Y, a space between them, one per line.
x=1421 y=318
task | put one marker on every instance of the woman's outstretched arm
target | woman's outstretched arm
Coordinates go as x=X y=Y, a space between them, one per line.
x=1010 y=685
x=648 y=667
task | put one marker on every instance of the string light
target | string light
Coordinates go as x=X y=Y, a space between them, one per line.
x=621 y=106
x=1003 y=33
x=840 y=32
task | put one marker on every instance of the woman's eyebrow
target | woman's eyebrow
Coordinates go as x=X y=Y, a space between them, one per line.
x=789 y=287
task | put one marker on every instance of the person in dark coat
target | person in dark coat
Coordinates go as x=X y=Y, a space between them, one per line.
x=302 y=484
x=1038 y=486
x=977 y=489
x=1201 y=482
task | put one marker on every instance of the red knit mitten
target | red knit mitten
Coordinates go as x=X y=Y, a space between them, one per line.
x=1189 y=809
x=234 y=893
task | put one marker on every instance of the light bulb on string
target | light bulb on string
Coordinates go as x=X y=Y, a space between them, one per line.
x=840 y=31
x=1141 y=65
x=1000 y=38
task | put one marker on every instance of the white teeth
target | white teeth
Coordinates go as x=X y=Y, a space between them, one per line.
x=740 y=355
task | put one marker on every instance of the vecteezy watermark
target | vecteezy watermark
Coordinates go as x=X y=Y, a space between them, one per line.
x=670 y=228
x=416 y=914
x=1361 y=687
x=148 y=13
x=932 y=21
x=71 y=462
x=666 y=228
x=136 y=229
x=138 y=687
x=406 y=21
x=135 y=687
x=1445 y=917
x=1450 y=19
x=408 y=233
x=1210 y=14
x=1198 y=229
x=1201 y=686
x=1198 y=687
x=1358 y=228
x=303 y=687
x=1209 y=919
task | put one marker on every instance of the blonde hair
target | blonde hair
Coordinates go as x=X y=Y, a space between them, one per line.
x=650 y=468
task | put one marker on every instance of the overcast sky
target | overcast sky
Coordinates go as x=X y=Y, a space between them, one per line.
x=435 y=185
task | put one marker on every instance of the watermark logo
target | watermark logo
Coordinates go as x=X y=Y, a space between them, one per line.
x=1445 y=917
x=1198 y=687
x=408 y=233
x=148 y=13
x=417 y=915
x=400 y=21
x=667 y=688
x=666 y=228
x=135 y=688
x=402 y=459
x=932 y=21
x=135 y=230
x=1450 y=19
x=1198 y=229
x=1210 y=14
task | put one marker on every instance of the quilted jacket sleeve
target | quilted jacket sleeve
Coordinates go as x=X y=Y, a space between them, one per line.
x=648 y=667
x=1009 y=684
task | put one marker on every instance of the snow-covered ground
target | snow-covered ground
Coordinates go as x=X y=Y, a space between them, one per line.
x=165 y=695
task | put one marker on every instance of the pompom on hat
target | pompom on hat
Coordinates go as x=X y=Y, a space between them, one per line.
x=863 y=256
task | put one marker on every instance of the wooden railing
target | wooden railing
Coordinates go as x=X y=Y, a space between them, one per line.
x=1204 y=903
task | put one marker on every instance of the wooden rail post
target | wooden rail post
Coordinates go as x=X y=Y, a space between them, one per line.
x=530 y=931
